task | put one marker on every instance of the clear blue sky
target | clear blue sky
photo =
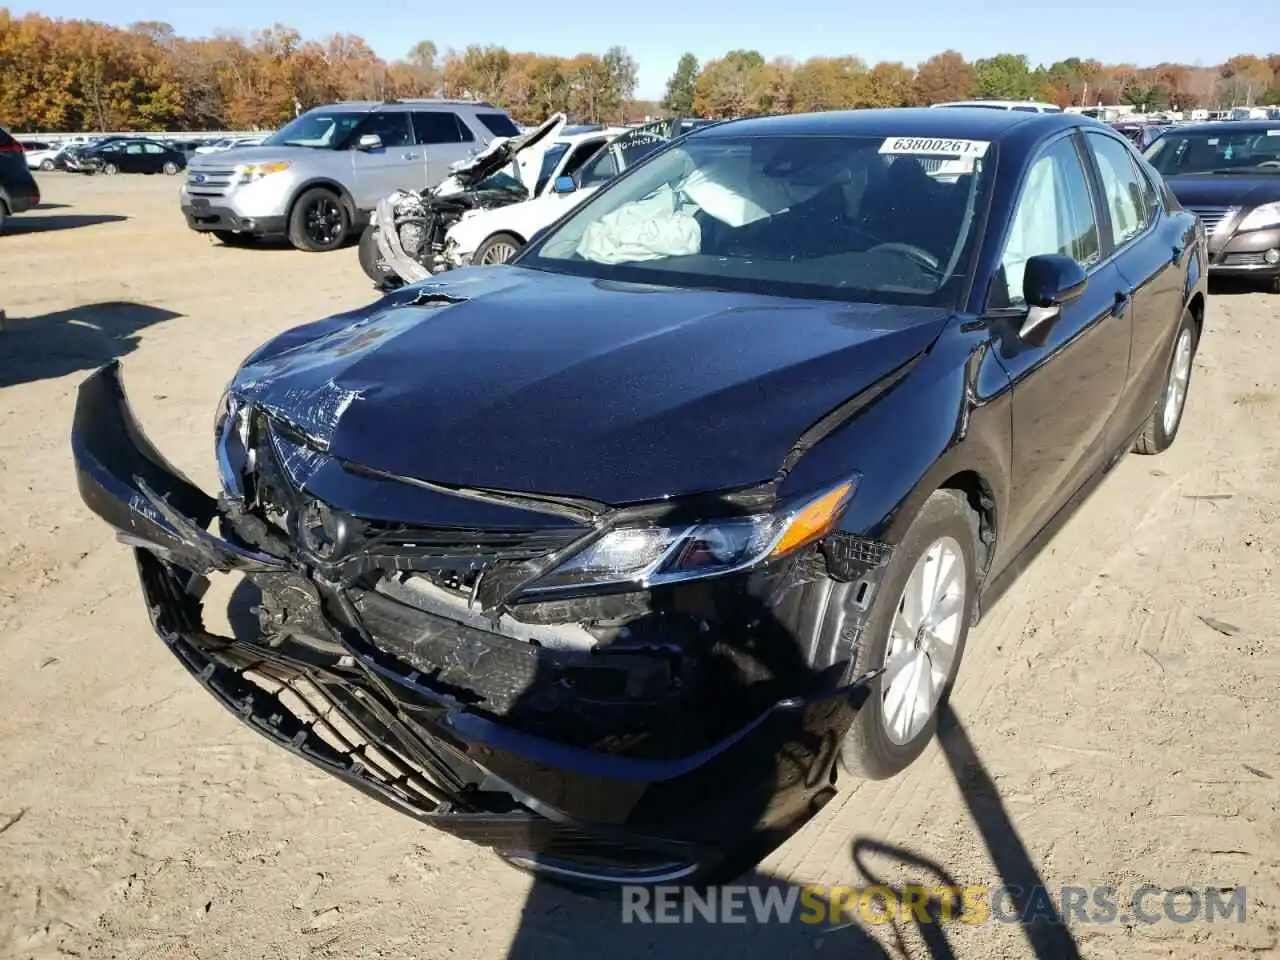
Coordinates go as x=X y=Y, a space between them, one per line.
x=657 y=32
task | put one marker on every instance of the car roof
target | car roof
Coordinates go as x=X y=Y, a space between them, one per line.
x=363 y=106
x=1227 y=126
x=975 y=123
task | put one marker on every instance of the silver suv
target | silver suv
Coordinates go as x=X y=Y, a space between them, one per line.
x=316 y=178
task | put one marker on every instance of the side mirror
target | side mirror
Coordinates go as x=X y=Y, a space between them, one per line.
x=1049 y=282
x=564 y=185
x=369 y=141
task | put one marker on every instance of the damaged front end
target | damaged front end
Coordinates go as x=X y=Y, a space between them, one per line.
x=408 y=227
x=490 y=663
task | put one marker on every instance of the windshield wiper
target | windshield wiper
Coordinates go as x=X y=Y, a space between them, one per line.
x=1244 y=170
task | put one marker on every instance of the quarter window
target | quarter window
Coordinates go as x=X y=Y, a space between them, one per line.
x=1123 y=186
x=1054 y=215
x=499 y=124
x=440 y=126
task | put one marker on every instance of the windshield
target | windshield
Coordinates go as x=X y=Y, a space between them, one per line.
x=1224 y=152
x=848 y=218
x=549 y=161
x=316 y=129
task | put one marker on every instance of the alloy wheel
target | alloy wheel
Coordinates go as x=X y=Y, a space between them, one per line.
x=499 y=252
x=1175 y=393
x=324 y=222
x=923 y=639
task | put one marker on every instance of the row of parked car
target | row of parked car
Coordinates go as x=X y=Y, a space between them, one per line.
x=357 y=169
x=124 y=154
x=321 y=180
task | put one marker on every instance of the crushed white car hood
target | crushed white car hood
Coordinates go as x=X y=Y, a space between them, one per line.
x=524 y=152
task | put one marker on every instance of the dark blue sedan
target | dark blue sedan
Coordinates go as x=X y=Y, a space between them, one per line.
x=612 y=557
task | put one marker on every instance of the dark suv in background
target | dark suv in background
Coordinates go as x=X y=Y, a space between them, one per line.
x=18 y=190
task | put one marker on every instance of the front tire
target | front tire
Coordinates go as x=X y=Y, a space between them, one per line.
x=170 y=168
x=371 y=262
x=1161 y=428
x=496 y=250
x=319 y=221
x=46 y=165
x=916 y=630
x=110 y=169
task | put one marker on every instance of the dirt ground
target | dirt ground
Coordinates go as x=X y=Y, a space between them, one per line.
x=1115 y=723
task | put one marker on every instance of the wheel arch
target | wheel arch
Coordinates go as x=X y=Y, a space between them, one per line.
x=1196 y=305
x=506 y=231
x=344 y=196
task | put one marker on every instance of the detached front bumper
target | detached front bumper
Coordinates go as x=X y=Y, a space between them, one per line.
x=394 y=732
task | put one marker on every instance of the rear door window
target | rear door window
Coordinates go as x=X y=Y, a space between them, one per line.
x=499 y=124
x=440 y=126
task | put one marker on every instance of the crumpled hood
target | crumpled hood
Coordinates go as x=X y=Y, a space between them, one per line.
x=527 y=151
x=1227 y=190
x=516 y=379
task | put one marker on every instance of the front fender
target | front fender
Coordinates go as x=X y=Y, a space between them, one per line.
x=950 y=418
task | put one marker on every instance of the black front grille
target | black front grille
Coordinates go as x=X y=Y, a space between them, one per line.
x=1211 y=217
x=1245 y=260
x=489 y=546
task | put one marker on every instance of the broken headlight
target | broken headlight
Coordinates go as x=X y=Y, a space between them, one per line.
x=654 y=555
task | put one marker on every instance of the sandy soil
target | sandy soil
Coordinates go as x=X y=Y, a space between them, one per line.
x=1115 y=724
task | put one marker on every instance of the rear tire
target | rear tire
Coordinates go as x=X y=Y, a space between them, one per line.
x=319 y=221
x=1161 y=428
x=941 y=542
x=46 y=165
x=170 y=168
x=110 y=169
x=371 y=262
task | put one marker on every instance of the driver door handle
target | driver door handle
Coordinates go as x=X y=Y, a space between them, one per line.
x=1123 y=299
x=409 y=156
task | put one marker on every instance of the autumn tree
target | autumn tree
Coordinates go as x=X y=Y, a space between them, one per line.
x=730 y=86
x=943 y=77
x=680 y=86
x=84 y=75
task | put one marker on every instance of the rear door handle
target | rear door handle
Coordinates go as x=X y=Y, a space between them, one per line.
x=1123 y=299
x=1178 y=250
x=409 y=156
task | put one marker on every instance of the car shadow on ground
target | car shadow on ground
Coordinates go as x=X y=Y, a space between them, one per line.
x=556 y=923
x=52 y=206
x=25 y=223
x=1233 y=286
x=52 y=345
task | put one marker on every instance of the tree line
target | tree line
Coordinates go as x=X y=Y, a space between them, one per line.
x=743 y=82
x=84 y=75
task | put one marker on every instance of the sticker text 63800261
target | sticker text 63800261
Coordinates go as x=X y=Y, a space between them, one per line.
x=935 y=147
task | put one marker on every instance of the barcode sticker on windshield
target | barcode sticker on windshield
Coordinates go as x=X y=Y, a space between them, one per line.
x=935 y=147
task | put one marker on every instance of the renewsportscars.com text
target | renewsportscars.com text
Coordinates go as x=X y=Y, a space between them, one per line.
x=927 y=905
